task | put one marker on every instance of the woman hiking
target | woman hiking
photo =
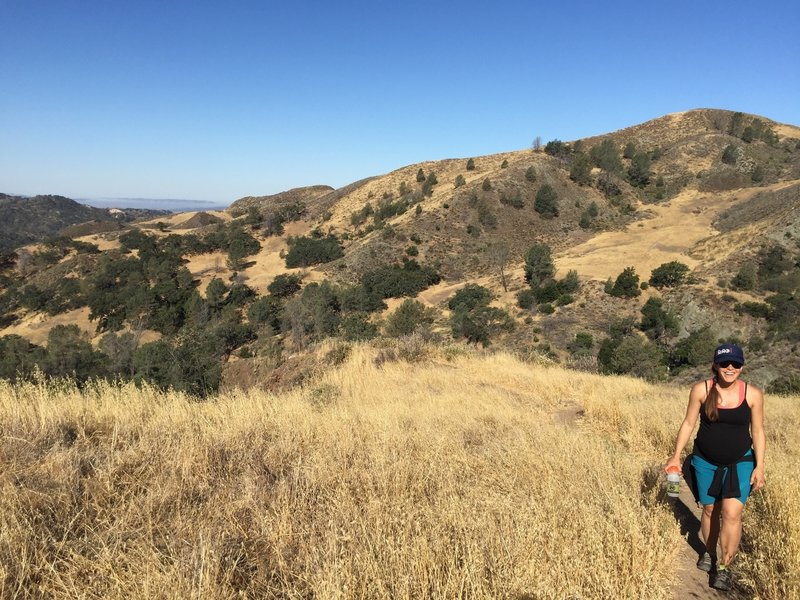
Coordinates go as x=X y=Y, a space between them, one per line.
x=727 y=462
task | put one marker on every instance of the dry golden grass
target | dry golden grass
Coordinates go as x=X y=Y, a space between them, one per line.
x=456 y=475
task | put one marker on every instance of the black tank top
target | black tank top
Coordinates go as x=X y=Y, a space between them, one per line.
x=726 y=440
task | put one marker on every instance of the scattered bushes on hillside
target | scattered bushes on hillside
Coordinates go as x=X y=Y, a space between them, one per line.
x=360 y=217
x=556 y=148
x=627 y=353
x=19 y=358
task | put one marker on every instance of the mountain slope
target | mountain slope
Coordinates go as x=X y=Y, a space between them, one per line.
x=25 y=220
x=713 y=190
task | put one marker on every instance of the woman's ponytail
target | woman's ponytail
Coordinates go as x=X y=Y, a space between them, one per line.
x=710 y=406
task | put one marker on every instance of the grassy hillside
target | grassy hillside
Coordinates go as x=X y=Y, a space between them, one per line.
x=460 y=474
x=25 y=220
x=715 y=192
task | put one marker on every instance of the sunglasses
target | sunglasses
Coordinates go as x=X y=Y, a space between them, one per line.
x=730 y=363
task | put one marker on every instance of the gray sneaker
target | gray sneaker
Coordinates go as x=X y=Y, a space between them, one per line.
x=722 y=580
x=706 y=562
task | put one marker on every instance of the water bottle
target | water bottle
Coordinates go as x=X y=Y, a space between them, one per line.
x=673 y=482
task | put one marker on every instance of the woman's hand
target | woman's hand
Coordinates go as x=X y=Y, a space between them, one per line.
x=672 y=463
x=757 y=479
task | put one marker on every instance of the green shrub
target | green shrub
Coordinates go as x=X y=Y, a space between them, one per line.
x=513 y=199
x=745 y=279
x=486 y=217
x=480 y=324
x=631 y=355
x=427 y=186
x=469 y=297
x=420 y=176
x=360 y=216
x=582 y=343
x=394 y=281
x=285 y=285
x=785 y=386
x=412 y=251
x=471 y=164
x=526 y=298
x=539 y=265
x=626 y=285
x=694 y=350
x=547 y=292
x=581 y=170
x=504 y=164
x=656 y=322
x=459 y=181
x=486 y=186
x=760 y=310
x=606 y=156
x=669 y=274
x=307 y=251
x=546 y=203
x=630 y=150
x=546 y=309
x=530 y=175
x=266 y=311
x=407 y=317
x=639 y=171
x=556 y=148
x=564 y=300
x=729 y=154
x=357 y=327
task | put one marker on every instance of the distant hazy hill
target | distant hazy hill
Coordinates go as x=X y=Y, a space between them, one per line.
x=24 y=220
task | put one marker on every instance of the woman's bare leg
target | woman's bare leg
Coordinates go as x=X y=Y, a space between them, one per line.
x=731 y=531
x=710 y=525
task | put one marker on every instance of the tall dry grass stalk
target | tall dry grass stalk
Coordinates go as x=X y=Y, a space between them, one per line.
x=457 y=476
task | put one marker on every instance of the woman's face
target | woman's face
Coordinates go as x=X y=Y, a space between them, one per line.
x=728 y=371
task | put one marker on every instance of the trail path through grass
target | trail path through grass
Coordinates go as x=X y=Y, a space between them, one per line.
x=692 y=582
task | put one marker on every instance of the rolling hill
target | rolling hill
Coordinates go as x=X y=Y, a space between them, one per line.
x=713 y=190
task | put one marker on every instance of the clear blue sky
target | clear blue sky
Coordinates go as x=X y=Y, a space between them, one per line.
x=217 y=100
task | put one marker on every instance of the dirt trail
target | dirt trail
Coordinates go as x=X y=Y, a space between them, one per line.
x=692 y=582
